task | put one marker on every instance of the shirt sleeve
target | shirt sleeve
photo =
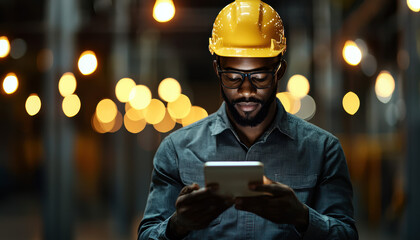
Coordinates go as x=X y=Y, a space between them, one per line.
x=331 y=216
x=164 y=190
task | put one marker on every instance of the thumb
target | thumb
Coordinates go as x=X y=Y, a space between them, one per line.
x=188 y=189
x=266 y=180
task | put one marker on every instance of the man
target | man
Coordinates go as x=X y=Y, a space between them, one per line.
x=304 y=167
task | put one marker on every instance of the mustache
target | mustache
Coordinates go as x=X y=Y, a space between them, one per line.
x=244 y=99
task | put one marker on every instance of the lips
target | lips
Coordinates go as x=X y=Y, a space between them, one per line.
x=247 y=106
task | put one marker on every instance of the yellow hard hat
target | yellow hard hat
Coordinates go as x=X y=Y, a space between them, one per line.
x=248 y=28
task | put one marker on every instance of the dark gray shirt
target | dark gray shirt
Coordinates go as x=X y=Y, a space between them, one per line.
x=294 y=152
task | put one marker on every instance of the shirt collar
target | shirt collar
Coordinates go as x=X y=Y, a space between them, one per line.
x=280 y=122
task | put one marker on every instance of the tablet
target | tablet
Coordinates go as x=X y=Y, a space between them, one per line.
x=233 y=177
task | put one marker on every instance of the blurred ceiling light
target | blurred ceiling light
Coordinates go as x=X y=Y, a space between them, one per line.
x=169 y=89
x=384 y=86
x=298 y=86
x=10 y=83
x=44 y=59
x=33 y=104
x=135 y=114
x=195 y=114
x=87 y=62
x=118 y=121
x=134 y=126
x=352 y=53
x=307 y=109
x=180 y=107
x=414 y=5
x=290 y=103
x=106 y=110
x=351 y=103
x=67 y=84
x=155 y=112
x=4 y=46
x=123 y=89
x=166 y=125
x=71 y=105
x=369 y=65
x=18 y=48
x=96 y=125
x=140 y=97
x=164 y=10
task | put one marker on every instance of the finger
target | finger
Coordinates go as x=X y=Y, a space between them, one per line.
x=276 y=189
x=189 y=189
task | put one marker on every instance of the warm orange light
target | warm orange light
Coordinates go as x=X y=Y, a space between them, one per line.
x=169 y=89
x=71 y=105
x=166 y=125
x=384 y=86
x=352 y=53
x=196 y=113
x=140 y=97
x=135 y=114
x=414 y=5
x=106 y=110
x=351 y=103
x=33 y=104
x=298 y=86
x=10 y=83
x=4 y=46
x=87 y=62
x=114 y=125
x=290 y=103
x=96 y=125
x=67 y=84
x=123 y=89
x=134 y=126
x=164 y=10
x=180 y=107
x=155 y=112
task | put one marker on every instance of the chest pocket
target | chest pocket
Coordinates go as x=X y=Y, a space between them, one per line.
x=191 y=173
x=302 y=185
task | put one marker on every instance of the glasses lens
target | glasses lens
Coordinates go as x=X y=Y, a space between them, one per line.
x=261 y=80
x=231 y=80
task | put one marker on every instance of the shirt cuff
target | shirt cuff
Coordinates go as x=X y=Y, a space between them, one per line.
x=317 y=227
x=160 y=231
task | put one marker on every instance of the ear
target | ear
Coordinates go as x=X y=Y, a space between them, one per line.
x=215 y=67
x=282 y=69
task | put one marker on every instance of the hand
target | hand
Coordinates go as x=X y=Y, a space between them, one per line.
x=196 y=208
x=281 y=207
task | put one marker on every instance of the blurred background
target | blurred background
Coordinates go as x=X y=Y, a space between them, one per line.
x=90 y=88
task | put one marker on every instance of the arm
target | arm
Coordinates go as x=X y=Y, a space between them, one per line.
x=331 y=216
x=164 y=189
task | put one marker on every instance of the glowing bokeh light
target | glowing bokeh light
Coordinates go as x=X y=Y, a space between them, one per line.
x=135 y=114
x=307 y=109
x=155 y=112
x=134 y=126
x=180 y=107
x=384 y=86
x=196 y=113
x=33 y=104
x=123 y=89
x=18 y=48
x=352 y=53
x=414 y=5
x=140 y=97
x=10 y=83
x=71 y=105
x=67 y=84
x=169 y=89
x=87 y=62
x=166 y=125
x=114 y=125
x=106 y=110
x=298 y=86
x=351 y=103
x=96 y=125
x=164 y=10
x=4 y=46
x=290 y=103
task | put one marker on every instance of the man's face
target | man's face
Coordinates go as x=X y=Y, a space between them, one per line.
x=247 y=105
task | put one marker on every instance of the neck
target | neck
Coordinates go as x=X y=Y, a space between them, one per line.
x=247 y=134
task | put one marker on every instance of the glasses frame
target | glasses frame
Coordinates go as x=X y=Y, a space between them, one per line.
x=248 y=75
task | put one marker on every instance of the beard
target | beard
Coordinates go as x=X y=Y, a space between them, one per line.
x=249 y=121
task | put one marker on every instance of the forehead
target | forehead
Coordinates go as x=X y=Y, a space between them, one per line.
x=247 y=64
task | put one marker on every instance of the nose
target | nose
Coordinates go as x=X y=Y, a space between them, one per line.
x=247 y=89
